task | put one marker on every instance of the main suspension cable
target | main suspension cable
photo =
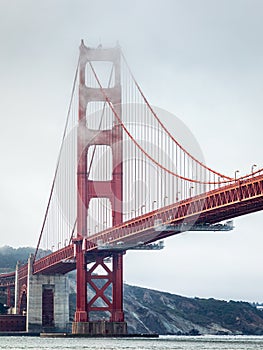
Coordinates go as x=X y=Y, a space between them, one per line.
x=167 y=131
x=140 y=147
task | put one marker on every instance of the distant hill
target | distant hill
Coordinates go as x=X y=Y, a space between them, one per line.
x=150 y=311
x=9 y=257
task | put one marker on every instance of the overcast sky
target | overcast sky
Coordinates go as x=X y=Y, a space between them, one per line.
x=199 y=59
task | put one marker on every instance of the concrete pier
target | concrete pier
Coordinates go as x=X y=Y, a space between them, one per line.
x=100 y=328
x=47 y=302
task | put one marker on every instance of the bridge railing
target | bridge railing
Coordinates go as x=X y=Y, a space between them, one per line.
x=7 y=279
x=52 y=259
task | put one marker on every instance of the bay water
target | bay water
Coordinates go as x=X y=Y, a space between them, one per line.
x=161 y=343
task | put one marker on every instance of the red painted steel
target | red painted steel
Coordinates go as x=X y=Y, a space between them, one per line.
x=117 y=288
x=61 y=261
x=81 y=303
x=7 y=279
x=89 y=189
x=100 y=283
x=239 y=198
x=22 y=301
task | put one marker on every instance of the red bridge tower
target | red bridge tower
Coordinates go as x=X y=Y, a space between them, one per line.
x=88 y=189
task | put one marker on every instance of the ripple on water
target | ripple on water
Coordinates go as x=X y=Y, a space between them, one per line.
x=162 y=343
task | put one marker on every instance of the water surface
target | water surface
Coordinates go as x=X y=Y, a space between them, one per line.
x=161 y=343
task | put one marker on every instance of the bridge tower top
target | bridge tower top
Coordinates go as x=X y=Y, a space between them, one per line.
x=92 y=188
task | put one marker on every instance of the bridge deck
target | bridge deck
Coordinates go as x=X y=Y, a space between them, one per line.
x=239 y=198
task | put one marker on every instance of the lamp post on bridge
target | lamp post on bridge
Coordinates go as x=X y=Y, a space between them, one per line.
x=153 y=204
x=252 y=168
x=143 y=206
x=237 y=171
x=190 y=191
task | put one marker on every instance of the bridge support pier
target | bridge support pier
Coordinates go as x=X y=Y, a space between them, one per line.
x=103 y=298
x=47 y=302
x=100 y=328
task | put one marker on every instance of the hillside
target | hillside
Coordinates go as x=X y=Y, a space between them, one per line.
x=10 y=256
x=150 y=311
x=153 y=311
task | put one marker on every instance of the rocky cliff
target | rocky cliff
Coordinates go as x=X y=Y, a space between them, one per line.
x=163 y=313
x=150 y=311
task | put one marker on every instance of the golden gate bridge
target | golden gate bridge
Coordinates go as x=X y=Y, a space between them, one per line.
x=122 y=181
